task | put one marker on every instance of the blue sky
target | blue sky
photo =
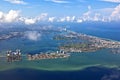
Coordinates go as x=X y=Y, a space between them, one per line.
x=67 y=9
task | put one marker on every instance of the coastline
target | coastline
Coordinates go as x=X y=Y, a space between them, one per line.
x=75 y=62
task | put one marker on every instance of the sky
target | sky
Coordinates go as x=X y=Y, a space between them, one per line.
x=34 y=11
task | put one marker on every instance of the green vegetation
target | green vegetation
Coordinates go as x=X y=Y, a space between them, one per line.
x=62 y=37
x=76 y=45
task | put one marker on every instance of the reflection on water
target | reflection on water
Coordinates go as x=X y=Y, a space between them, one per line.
x=58 y=68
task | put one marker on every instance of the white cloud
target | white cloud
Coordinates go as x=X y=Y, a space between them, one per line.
x=67 y=19
x=105 y=15
x=34 y=20
x=42 y=17
x=87 y=15
x=33 y=35
x=115 y=15
x=90 y=15
x=16 y=1
x=97 y=17
x=9 y=17
x=72 y=18
x=58 y=1
x=79 y=20
x=61 y=19
x=115 y=1
x=29 y=21
x=12 y=16
x=89 y=7
x=51 y=19
x=1 y=15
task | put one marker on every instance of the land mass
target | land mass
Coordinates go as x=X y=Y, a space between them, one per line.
x=10 y=35
x=91 y=43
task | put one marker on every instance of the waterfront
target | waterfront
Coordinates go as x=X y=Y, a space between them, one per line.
x=59 y=40
x=76 y=62
x=89 y=43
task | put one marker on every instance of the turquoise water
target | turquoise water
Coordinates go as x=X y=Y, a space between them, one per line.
x=99 y=65
x=45 y=43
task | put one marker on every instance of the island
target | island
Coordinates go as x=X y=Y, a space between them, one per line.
x=91 y=51
x=89 y=43
x=10 y=35
x=51 y=55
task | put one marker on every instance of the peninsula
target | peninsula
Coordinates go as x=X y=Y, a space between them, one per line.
x=89 y=43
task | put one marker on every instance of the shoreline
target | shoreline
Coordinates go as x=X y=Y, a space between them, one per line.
x=93 y=43
x=57 y=64
x=63 y=69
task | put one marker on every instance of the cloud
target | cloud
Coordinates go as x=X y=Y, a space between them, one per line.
x=29 y=21
x=32 y=35
x=16 y=1
x=42 y=17
x=97 y=17
x=79 y=21
x=15 y=16
x=9 y=17
x=89 y=7
x=115 y=15
x=67 y=19
x=1 y=16
x=87 y=15
x=12 y=16
x=51 y=19
x=114 y=1
x=104 y=15
x=58 y=1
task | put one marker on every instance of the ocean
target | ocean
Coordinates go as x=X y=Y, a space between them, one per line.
x=90 y=73
x=99 y=65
